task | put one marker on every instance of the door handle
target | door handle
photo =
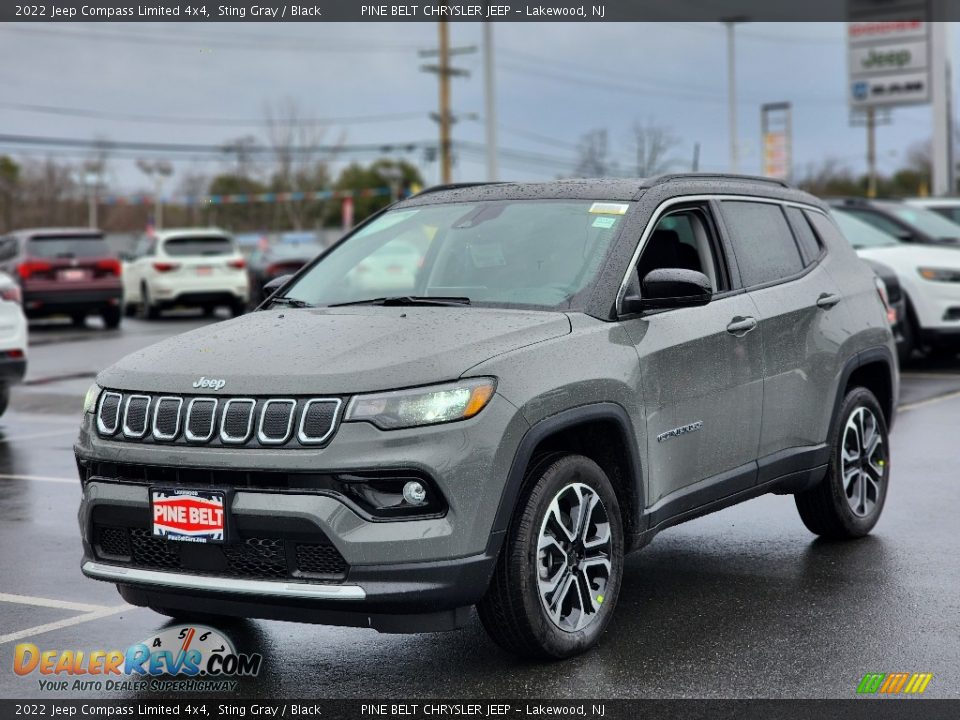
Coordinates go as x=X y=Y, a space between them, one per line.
x=828 y=300
x=740 y=326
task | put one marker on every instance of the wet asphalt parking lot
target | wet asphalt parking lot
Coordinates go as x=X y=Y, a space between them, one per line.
x=742 y=603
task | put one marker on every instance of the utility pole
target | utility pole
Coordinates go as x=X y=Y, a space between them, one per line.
x=444 y=72
x=490 y=101
x=157 y=171
x=871 y=151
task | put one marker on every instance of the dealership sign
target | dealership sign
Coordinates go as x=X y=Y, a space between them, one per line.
x=888 y=63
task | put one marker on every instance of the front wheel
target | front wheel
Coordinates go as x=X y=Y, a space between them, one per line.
x=848 y=501
x=558 y=576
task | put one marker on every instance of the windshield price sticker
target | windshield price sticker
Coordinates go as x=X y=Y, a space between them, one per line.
x=607 y=208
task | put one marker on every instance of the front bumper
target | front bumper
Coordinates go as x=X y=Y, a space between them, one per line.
x=399 y=574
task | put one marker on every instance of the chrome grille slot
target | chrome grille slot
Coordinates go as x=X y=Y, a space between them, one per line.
x=201 y=417
x=135 y=416
x=276 y=421
x=166 y=418
x=108 y=416
x=237 y=422
x=318 y=421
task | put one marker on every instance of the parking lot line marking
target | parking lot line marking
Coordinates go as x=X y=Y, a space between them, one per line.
x=929 y=401
x=60 y=624
x=40 y=478
x=51 y=603
x=32 y=436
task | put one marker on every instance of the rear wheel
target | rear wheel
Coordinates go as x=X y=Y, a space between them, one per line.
x=148 y=310
x=848 y=501
x=237 y=308
x=129 y=310
x=78 y=320
x=4 y=397
x=111 y=317
x=558 y=575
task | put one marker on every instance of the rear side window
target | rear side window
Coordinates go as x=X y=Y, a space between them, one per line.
x=198 y=245
x=765 y=248
x=810 y=246
x=68 y=246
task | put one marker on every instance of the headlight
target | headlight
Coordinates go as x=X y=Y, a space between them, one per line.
x=90 y=400
x=939 y=274
x=422 y=406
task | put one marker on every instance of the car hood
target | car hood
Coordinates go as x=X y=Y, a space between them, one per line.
x=332 y=350
x=906 y=258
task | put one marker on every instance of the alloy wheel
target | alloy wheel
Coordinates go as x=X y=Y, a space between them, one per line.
x=574 y=553
x=863 y=461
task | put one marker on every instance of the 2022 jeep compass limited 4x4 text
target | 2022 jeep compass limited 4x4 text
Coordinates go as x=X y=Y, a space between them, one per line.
x=566 y=369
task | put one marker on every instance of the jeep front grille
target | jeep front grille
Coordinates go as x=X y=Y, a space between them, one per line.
x=242 y=422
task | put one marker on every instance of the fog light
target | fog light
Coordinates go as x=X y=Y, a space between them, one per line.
x=414 y=493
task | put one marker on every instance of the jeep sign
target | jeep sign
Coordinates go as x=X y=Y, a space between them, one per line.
x=888 y=63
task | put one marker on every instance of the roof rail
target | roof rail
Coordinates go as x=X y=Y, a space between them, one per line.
x=667 y=177
x=452 y=186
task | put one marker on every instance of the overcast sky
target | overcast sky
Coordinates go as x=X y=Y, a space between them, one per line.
x=555 y=82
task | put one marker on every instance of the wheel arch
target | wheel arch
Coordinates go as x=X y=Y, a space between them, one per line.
x=876 y=370
x=602 y=432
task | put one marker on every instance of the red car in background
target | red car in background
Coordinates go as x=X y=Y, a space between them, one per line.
x=64 y=271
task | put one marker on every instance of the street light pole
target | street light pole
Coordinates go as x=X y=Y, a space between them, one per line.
x=490 y=101
x=732 y=95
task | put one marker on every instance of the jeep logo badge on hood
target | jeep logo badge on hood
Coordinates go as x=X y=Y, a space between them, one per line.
x=206 y=382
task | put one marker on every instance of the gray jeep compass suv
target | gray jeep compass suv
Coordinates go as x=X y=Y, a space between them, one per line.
x=488 y=394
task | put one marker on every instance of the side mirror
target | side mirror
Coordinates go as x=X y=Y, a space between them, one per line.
x=278 y=282
x=670 y=288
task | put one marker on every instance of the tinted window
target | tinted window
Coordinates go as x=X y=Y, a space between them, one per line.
x=809 y=244
x=68 y=246
x=199 y=245
x=826 y=229
x=764 y=245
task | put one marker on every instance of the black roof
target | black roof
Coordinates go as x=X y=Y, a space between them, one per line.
x=623 y=189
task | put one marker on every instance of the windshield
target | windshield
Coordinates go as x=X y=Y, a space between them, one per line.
x=68 y=246
x=927 y=221
x=198 y=245
x=512 y=252
x=294 y=250
x=861 y=234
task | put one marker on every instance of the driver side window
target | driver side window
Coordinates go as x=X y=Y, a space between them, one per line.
x=682 y=239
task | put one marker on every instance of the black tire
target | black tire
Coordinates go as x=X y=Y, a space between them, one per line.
x=826 y=508
x=4 y=397
x=908 y=327
x=208 y=310
x=129 y=310
x=148 y=311
x=237 y=308
x=512 y=610
x=111 y=317
x=78 y=320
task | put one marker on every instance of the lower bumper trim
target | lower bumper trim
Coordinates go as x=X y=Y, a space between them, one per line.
x=183 y=581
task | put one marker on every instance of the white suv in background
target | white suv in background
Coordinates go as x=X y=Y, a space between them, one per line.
x=185 y=267
x=13 y=338
x=929 y=278
x=949 y=207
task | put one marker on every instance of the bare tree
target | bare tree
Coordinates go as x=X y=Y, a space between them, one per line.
x=592 y=155
x=829 y=177
x=296 y=141
x=653 y=145
x=193 y=185
x=239 y=151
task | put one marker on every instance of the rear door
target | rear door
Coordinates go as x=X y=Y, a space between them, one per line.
x=787 y=273
x=202 y=259
x=70 y=261
x=701 y=373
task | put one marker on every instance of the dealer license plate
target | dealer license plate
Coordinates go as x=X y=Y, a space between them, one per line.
x=188 y=515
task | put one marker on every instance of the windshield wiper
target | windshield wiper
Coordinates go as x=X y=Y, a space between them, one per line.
x=290 y=302
x=408 y=300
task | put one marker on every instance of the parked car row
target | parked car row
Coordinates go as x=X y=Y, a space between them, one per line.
x=13 y=338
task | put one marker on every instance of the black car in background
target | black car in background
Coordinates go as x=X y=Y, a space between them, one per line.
x=896 y=303
x=277 y=260
x=64 y=271
x=906 y=222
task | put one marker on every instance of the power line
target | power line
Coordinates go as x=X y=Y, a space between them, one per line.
x=182 y=120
